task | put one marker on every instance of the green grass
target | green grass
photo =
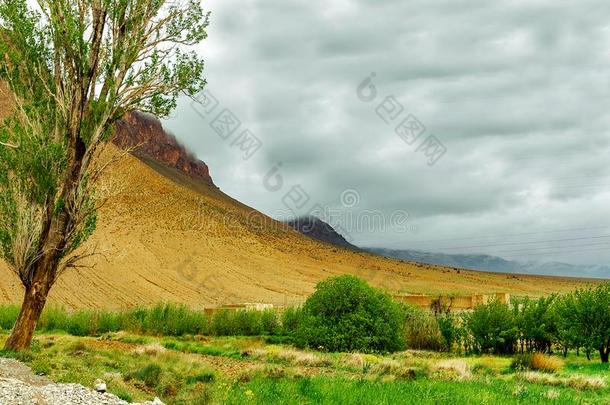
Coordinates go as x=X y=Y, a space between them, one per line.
x=325 y=390
x=247 y=370
x=160 y=320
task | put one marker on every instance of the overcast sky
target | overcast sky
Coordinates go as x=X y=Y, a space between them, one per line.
x=516 y=92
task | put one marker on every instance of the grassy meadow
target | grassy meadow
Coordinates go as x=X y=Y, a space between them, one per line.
x=186 y=357
x=248 y=370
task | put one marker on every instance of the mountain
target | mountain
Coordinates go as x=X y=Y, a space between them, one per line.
x=148 y=139
x=166 y=233
x=496 y=264
x=317 y=229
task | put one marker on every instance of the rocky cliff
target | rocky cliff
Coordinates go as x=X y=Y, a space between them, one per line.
x=146 y=134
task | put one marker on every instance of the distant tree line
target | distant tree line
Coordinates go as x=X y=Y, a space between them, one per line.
x=345 y=314
x=578 y=321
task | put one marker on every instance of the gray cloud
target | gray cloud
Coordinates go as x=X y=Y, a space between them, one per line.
x=516 y=90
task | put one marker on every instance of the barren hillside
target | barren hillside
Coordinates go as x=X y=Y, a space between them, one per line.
x=168 y=236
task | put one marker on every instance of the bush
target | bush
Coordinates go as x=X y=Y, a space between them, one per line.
x=549 y=364
x=8 y=316
x=245 y=323
x=522 y=362
x=492 y=329
x=346 y=314
x=291 y=319
x=270 y=323
x=421 y=329
x=172 y=320
x=449 y=329
x=149 y=375
x=536 y=362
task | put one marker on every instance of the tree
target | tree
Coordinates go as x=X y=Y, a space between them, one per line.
x=537 y=323
x=492 y=328
x=346 y=314
x=74 y=67
x=585 y=317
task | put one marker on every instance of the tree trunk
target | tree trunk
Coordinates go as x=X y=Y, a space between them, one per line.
x=33 y=303
x=604 y=353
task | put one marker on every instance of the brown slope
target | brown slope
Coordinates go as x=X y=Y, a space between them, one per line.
x=172 y=236
x=169 y=238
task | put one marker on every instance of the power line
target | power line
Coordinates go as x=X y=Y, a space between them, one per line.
x=526 y=243
x=551 y=247
x=514 y=234
x=563 y=252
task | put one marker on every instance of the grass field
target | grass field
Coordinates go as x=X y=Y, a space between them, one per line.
x=249 y=370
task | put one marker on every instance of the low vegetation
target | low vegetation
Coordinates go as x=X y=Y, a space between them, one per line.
x=346 y=314
x=349 y=343
x=248 y=370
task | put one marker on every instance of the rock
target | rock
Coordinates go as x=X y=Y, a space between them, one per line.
x=157 y=401
x=100 y=386
x=145 y=133
x=19 y=386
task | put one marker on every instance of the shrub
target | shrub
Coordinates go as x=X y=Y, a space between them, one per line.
x=270 y=323
x=291 y=318
x=537 y=323
x=82 y=323
x=346 y=314
x=53 y=319
x=421 y=329
x=245 y=323
x=149 y=375
x=203 y=377
x=41 y=365
x=492 y=328
x=171 y=320
x=537 y=362
x=8 y=316
x=549 y=364
x=521 y=362
x=449 y=329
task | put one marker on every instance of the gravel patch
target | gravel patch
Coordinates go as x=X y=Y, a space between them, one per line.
x=18 y=386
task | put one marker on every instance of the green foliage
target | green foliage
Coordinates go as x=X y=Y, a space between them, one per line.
x=171 y=320
x=245 y=323
x=41 y=365
x=346 y=314
x=584 y=320
x=161 y=320
x=451 y=331
x=149 y=375
x=75 y=69
x=291 y=319
x=537 y=323
x=492 y=329
x=204 y=377
x=8 y=315
x=522 y=362
x=421 y=329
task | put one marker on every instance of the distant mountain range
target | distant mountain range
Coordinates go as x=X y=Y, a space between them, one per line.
x=320 y=230
x=495 y=264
